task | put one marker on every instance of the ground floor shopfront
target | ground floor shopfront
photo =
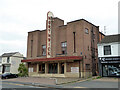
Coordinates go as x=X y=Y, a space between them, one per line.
x=109 y=66
x=57 y=67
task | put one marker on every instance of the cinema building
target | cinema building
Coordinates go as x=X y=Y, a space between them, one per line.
x=63 y=50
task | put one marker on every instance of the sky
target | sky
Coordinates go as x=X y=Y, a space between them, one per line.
x=18 y=17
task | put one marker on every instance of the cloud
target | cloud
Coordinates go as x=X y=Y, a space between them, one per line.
x=17 y=17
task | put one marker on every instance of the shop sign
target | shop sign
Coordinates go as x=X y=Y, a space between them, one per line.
x=30 y=69
x=74 y=69
x=110 y=58
x=48 y=43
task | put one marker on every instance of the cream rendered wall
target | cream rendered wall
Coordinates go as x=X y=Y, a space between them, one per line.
x=1 y=68
x=4 y=60
x=114 y=49
x=15 y=60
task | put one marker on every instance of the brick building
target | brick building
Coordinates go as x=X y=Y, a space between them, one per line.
x=73 y=49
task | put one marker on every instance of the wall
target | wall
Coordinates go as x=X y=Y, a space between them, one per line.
x=114 y=48
x=61 y=33
x=14 y=62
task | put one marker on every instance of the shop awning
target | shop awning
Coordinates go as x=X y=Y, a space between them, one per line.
x=54 y=59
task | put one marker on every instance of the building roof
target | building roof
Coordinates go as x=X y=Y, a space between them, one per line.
x=111 y=38
x=83 y=20
x=8 y=54
x=54 y=59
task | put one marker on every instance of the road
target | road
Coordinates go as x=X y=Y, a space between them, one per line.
x=18 y=86
x=97 y=83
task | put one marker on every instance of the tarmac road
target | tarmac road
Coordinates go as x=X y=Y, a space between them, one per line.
x=97 y=83
x=18 y=86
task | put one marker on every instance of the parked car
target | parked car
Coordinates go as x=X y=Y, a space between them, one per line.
x=8 y=75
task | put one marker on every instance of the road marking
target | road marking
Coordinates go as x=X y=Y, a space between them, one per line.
x=80 y=87
x=14 y=84
x=22 y=85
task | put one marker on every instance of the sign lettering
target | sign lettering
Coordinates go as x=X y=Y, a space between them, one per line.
x=48 y=43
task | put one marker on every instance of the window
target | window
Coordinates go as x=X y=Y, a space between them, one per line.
x=0 y=69
x=53 y=68
x=8 y=59
x=74 y=43
x=7 y=68
x=43 y=50
x=64 y=47
x=87 y=66
x=86 y=31
x=0 y=59
x=31 y=47
x=107 y=50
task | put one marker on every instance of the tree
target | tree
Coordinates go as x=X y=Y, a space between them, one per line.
x=23 y=71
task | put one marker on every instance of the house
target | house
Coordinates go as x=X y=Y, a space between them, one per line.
x=9 y=62
x=109 y=56
x=63 y=50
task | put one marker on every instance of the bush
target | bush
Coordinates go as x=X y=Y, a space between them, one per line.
x=23 y=71
x=98 y=77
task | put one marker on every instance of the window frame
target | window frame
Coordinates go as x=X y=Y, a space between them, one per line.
x=107 y=50
x=64 y=47
x=43 y=50
x=86 y=31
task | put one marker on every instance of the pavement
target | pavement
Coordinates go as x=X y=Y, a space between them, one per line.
x=42 y=82
x=56 y=82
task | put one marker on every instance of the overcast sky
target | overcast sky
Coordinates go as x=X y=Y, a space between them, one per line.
x=17 y=17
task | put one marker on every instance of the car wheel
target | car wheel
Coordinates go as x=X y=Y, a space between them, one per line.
x=6 y=77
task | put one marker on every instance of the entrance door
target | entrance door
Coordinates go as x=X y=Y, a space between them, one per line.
x=62 y=68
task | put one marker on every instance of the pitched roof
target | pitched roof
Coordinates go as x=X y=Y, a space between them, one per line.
x=111 y=38
x=8 y=54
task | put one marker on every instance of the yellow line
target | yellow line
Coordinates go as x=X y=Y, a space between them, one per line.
x=80 y=87
x=13 y=83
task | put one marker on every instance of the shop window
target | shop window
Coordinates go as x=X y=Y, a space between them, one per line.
x=111 y=70
x=87 y=66
x=43 y=50
x=86 y=31
x=107 y=50
x=53 y=68
x=64 y=47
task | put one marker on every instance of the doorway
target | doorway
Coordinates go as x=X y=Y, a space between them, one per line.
x=62 y=68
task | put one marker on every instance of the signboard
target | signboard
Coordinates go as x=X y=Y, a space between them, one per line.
x=30 y=69
x=48 y=43
x=74 y=69
x=110 y=59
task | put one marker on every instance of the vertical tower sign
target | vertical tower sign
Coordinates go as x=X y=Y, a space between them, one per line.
x=48 y=43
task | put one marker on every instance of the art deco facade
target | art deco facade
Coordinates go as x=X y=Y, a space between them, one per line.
x=73 y=50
